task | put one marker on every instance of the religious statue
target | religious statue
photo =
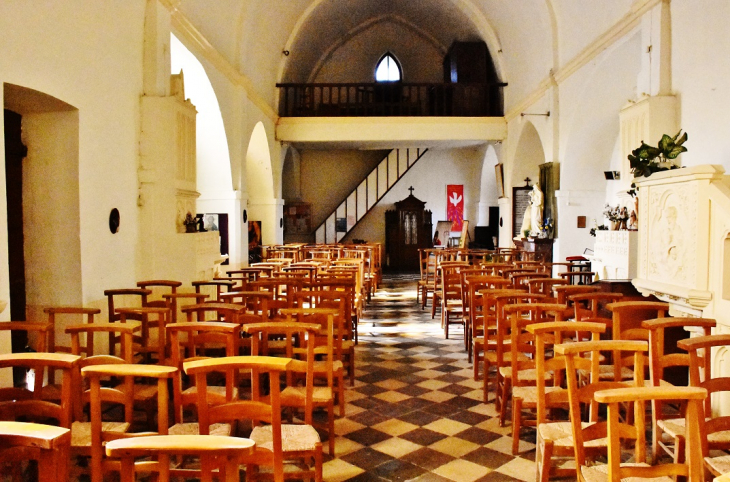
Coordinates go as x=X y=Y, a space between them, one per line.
x=536 y=203
x=633 y=222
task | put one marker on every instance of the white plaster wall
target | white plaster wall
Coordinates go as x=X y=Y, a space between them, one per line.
x=88 y=54
x=329 y=176
x=51 y=211
x=429 y=177
x=356 y=59
x=700 y=69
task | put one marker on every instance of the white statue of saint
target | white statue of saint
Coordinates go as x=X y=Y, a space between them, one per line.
x=536 y=202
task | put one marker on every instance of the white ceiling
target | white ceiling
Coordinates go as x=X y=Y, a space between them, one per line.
x=526 y=38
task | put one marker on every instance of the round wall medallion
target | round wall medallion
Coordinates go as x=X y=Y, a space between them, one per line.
x=114 y=221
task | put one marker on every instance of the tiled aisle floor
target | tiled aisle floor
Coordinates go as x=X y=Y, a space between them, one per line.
x=416 y=412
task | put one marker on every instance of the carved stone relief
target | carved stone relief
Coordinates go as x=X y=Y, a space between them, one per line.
x=672 y=235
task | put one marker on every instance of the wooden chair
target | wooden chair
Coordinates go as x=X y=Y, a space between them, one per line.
x=176 y=303
x=193 y=341
x=626 y=325
x=125 y=396
x=344 y=342
x=585 y=437
x=38 y=337
x=150 y=317
x=274 y=442
x=214 y=288
x=717 y=425
x=452 y=307
x=125 y=297
x=578 y=277
x=618 y=432
x=524 y=372
x=300 y=346
x=661 y=361
x=124 y=332
x=589 y=306
x=28 y=402
x=544 y=286
x=46 y=444
x=553 y=437
x=563 y=292
x=474 y=317
x=213 y=450
x=168 y=286
x=55 y=313
x=329 y=335
x=497 y=352
x=214 y=311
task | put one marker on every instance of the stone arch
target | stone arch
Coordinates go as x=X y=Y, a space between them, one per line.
x=213 y=158
x=259 y=172
x=529 y=154
x=488 y=189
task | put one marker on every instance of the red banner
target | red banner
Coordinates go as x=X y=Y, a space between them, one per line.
x=455 y=205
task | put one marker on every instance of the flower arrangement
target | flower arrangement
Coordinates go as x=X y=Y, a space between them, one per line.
x=595 y=228
x=546 y=229
x=615 y=214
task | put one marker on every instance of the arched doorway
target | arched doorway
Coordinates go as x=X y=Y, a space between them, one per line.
x=263 y=206
x=44 y=241
x=218 y=201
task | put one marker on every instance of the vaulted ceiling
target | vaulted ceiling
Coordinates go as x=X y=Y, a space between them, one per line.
x=526 y=38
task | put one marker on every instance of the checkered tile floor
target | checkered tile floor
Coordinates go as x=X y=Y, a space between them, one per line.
x=415 y=412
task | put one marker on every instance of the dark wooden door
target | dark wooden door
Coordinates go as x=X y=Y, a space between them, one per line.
x=15 y=152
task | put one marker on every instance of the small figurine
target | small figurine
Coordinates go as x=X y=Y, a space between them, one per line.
x=623 y=217
x=190 y=224
x=633 y=222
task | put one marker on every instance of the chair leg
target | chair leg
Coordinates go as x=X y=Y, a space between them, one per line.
x=341 y=394
x=485 y=386
x=543 y=459
x=516 y=424
x=503 y=402
x=331 y=428
x=318 y=463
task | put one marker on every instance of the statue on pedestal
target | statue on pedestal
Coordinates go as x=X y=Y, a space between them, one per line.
x=536 y=203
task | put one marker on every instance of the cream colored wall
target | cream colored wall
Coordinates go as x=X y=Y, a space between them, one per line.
x=93 y=62
x=355 y=60
x=328 y=177
x=429 y=178
x=51 y=211
x=700 y=69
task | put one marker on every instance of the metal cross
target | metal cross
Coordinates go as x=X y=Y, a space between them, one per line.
x=527 y=181
x=411 y=189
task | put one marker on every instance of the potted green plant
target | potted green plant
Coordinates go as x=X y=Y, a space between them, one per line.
x=646 y=160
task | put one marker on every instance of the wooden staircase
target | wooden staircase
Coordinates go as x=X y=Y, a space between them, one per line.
x=367 y=194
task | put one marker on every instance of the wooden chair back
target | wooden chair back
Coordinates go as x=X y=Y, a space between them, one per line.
x=717 y=423
x=29 y=403
x=590 y=305
x=619 y=432
x=661 y=363
x=196 y=341
x=214 y=288
x=46 y=444
x=547 y=336
x=583 y=358
x=214 y=451
x=563 y=292
x=159 y=287
x=59 y=316
x=254 y=409
x=125 y=396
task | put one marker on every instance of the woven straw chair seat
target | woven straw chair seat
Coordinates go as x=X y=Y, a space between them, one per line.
x=81 y=431
x=528 y=395
x=294 y=438
x=561 y=434
x=599 y=473
x=192 y=428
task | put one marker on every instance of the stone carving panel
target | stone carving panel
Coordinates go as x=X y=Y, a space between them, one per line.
x=672 y=234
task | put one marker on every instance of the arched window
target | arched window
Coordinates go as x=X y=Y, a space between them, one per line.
x=388 y=69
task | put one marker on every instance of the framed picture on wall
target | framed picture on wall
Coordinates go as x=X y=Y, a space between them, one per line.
x=442 y=235
x=499 y=175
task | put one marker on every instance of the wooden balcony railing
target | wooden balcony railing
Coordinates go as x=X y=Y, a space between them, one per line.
x=390 y=99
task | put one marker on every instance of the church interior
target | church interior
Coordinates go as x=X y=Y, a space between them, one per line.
x=365 y=240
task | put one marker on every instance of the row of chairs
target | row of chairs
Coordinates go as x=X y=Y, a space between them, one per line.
x=302 y=344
